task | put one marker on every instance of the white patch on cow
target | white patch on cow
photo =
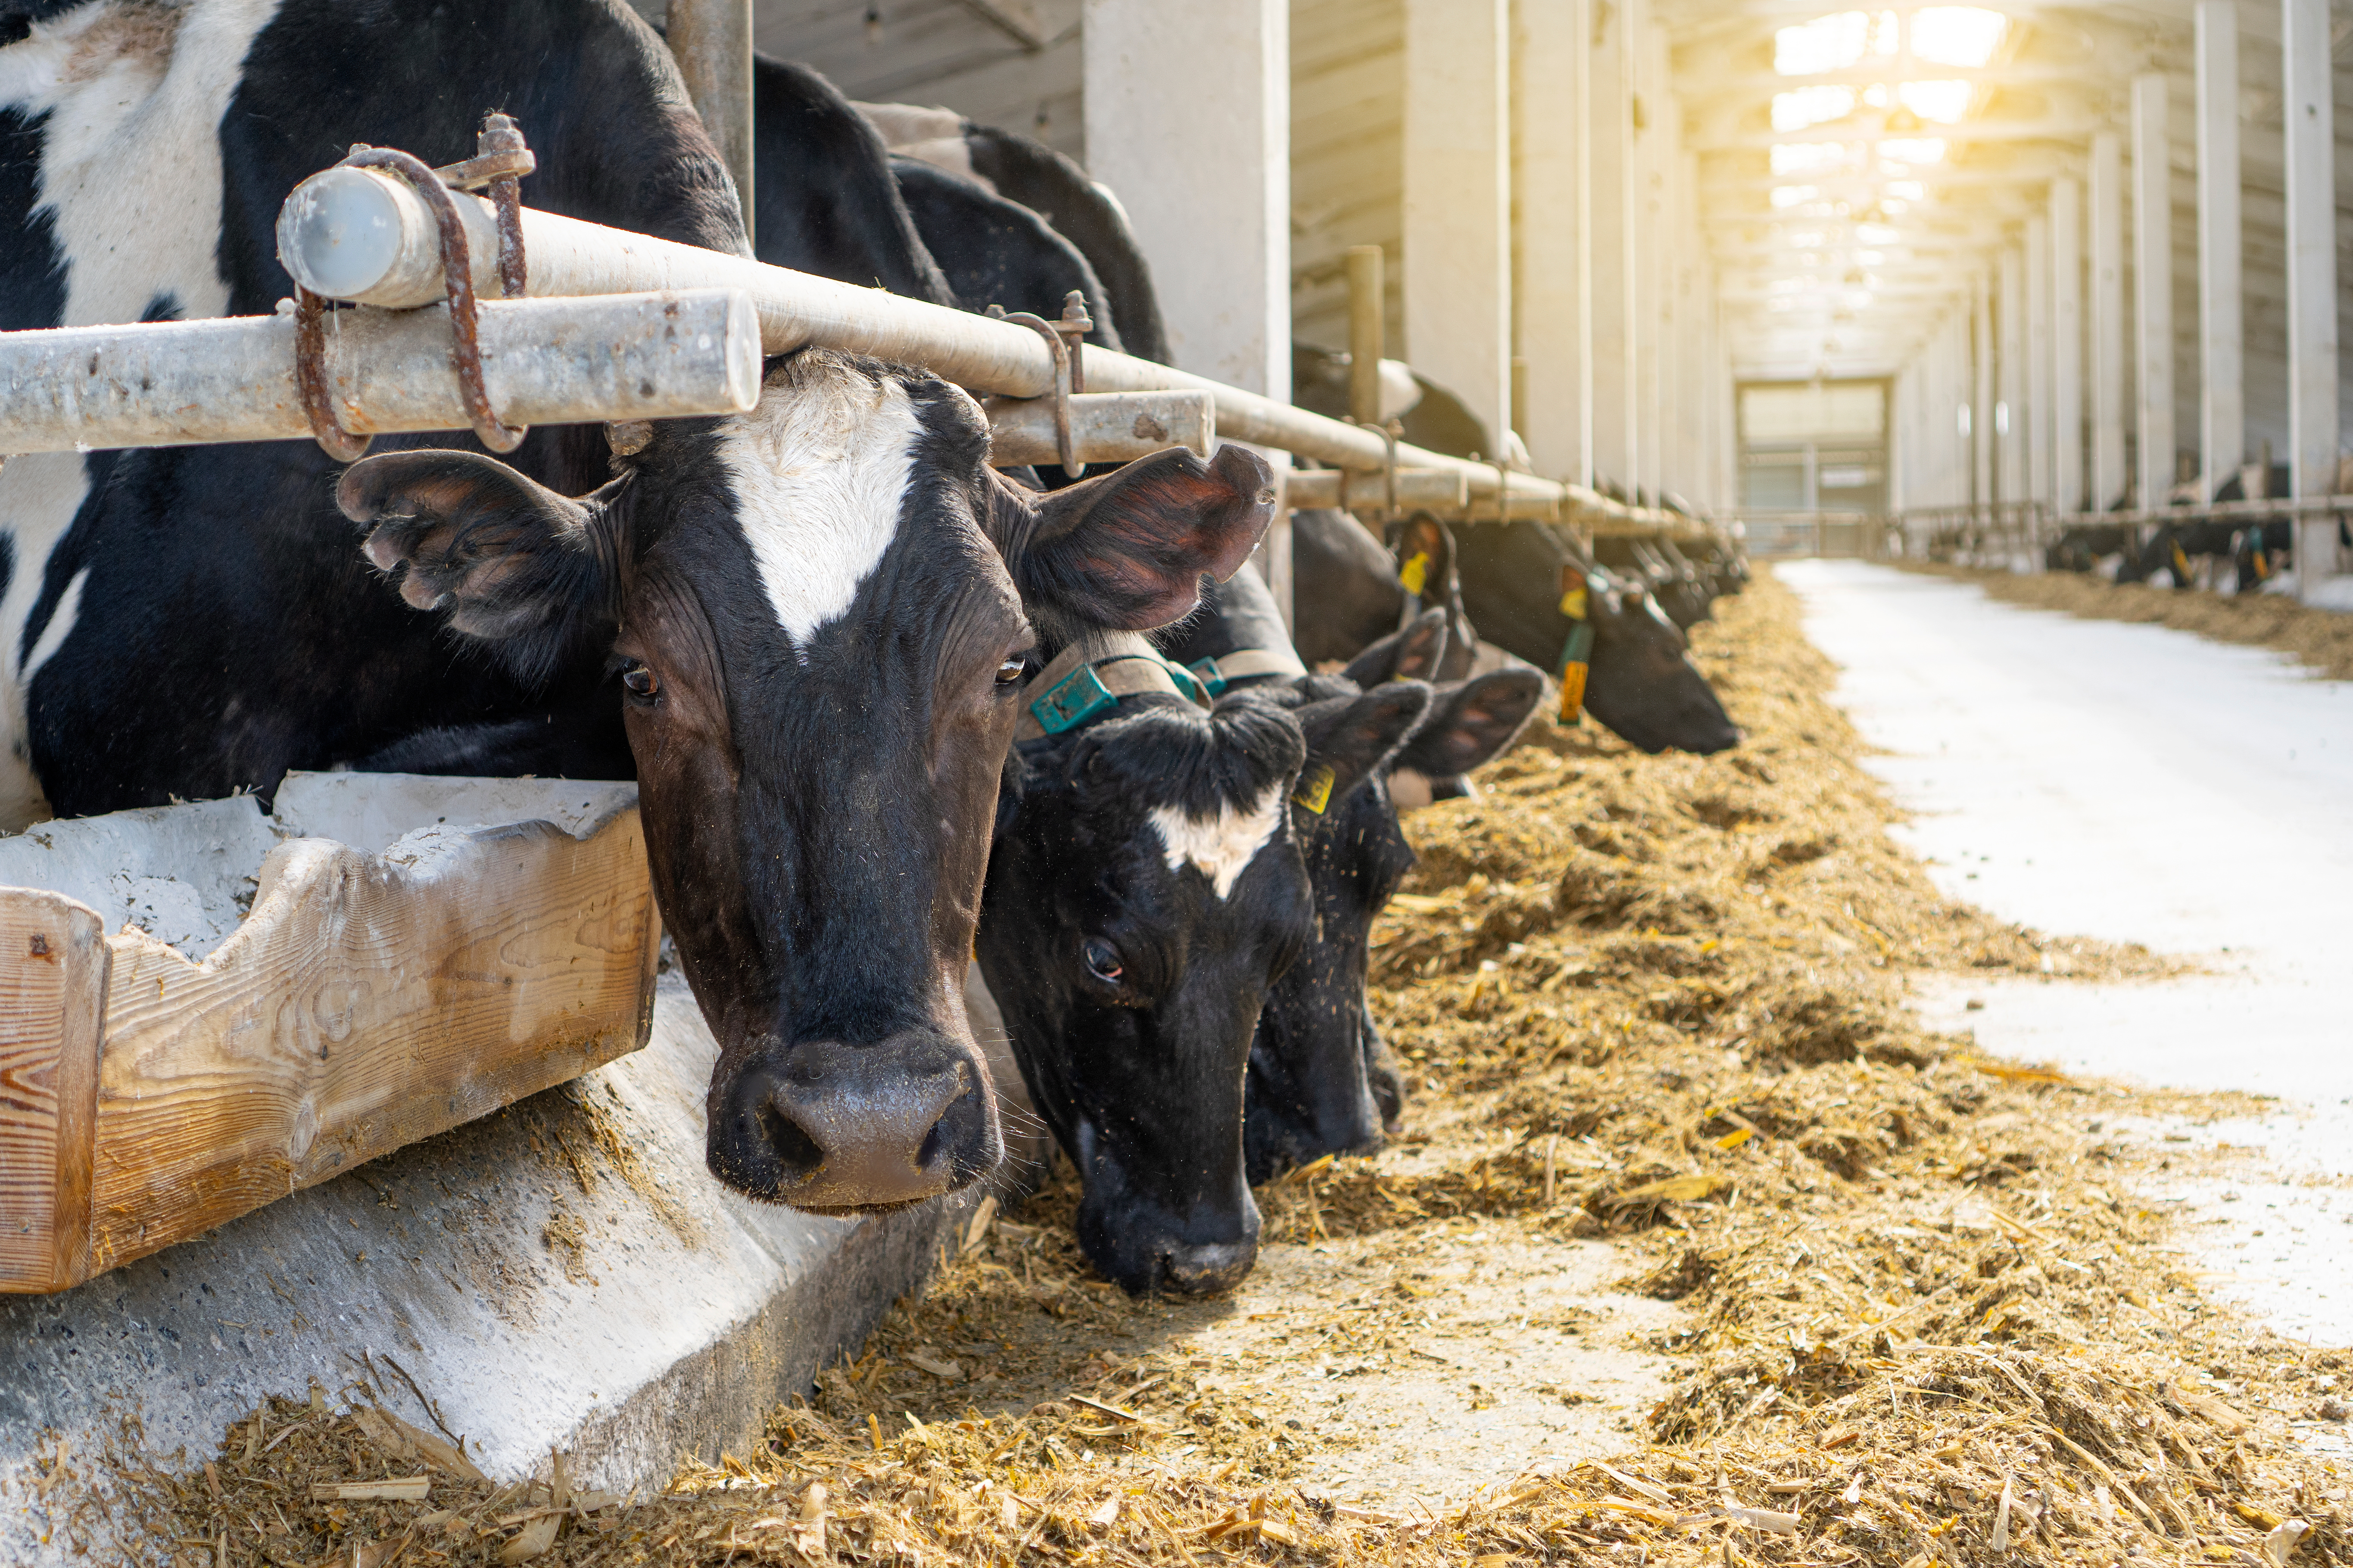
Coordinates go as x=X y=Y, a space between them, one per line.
x=820 y=468
x=133 y=93
x=53 y=635
x=1223 y=844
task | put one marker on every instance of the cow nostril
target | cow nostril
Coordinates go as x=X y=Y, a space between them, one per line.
x=789 y=1141
x=934 y=1142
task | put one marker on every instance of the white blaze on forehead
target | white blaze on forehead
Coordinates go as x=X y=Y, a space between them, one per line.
x=819 y=470
x=1223 y=844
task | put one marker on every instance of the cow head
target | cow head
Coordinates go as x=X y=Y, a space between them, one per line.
x=1319 y=1079
x=816 y=616
x=1142 y=892
x=1643 y=685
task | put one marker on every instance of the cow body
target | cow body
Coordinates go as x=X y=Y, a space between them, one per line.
x=719 y=613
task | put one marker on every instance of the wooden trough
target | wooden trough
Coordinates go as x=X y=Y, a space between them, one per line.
x=386 y=985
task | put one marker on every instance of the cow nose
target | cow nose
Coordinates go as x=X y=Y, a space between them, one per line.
x=831 y=1126
x=1191 y=1269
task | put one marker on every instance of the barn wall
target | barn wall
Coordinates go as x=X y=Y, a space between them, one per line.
x=1347 y=158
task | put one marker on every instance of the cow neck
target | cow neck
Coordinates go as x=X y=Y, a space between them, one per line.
x=1089 y=677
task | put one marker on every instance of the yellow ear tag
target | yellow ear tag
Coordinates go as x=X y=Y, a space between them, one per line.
x=1314 y=791
x=1572 y=603
x=1414 y=573
x=1572 y=692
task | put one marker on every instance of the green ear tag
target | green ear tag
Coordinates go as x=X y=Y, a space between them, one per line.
x=1314 y=791
x=1075 y=699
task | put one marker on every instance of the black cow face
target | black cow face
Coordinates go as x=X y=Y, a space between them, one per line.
x=816 y=616
x=1321 y=1081
x=1143 y=889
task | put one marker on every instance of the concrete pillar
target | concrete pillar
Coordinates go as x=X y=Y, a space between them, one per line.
x=1611 y=225
x=2009 y=384
x=2107 y=320
x=2036 y=354
x=1458 y=202
x=1653 y=280
x=2066 y=345
x=1981 y=392
x=2222 y=401
x=2308 y=111
x=1550 y=62
x=1188 y=119
x=2153 y=286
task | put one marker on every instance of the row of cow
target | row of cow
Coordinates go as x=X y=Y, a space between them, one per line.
x=890 y=708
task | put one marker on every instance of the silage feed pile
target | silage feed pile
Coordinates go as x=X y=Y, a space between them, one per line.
x=1905 y=1307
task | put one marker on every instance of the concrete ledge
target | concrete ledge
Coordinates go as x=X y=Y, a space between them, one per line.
x=625 y=1323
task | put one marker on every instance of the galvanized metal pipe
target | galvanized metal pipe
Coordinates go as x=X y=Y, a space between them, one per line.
x=545 y=362
x=345 y=233
x=1105 y=426
x=712 y=40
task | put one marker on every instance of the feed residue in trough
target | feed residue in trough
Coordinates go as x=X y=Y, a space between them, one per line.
x=1892 y=1303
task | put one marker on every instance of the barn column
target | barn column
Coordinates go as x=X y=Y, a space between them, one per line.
x=2010 y=417
x=1457 y=202
x=2223 y=400
x=1549 y=102
x=1188 y=119
x=2036 y=351
x=2153 y=286
x=2107 y=320
x=2308 y=109
x=2066 y=349
x=1611 y=227
x=1981 y=419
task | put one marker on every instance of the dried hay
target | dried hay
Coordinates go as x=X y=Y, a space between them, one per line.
x=1655 y=1001
x=2320 y=639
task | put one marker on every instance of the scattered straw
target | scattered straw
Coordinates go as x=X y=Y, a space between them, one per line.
x=1653 y=1006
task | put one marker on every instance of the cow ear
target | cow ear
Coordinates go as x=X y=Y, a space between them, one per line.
x=1349 y=738
x=1126 y=552
x=1471 y=723
x=512 y=562
x=1425 y=557
x=1412 y=654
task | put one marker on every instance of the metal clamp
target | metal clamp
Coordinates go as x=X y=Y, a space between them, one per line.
x=1063 y=339
x=503 y=161
x=1390 y=434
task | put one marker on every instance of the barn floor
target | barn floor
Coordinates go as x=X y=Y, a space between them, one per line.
x=2165 y=788
x=1700 y=1246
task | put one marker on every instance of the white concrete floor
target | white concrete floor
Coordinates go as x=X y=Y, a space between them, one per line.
x=2142 y=785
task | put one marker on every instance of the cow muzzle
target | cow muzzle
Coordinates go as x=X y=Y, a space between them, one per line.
x=839 y=1128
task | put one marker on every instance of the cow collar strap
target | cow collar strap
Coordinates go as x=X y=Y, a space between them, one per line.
x=1246 y=664
x=1085 y=680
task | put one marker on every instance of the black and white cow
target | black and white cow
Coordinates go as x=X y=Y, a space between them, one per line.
x=1640 y=682
x=1144 y=889
x=800 y=628
x=1026 y=170
x=1321 y=1078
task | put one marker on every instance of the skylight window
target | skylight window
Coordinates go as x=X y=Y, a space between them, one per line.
x=1875 y=234
x=1942 y=102
x=1810 y=157
x=1965 y=36
x=1833 y=42
x=1903 y=152
x=1805 y=106
x=1793 y=196
x=1907 y=190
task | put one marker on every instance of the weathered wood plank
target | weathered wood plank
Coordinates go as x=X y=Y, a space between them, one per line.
x=367 y=1002
x=53 y=965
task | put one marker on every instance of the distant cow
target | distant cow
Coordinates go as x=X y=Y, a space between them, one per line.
x=800 y=628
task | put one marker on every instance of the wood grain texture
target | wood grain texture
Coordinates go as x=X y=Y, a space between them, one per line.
x=365 y=1003
x=53 y=964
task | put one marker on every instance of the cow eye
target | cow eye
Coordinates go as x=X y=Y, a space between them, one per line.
x=1012 y=667
x=1102 y=958
x=639 y=681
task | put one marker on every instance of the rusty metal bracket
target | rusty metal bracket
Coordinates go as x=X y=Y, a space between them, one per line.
x=501 y=162
x=1061 y=344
